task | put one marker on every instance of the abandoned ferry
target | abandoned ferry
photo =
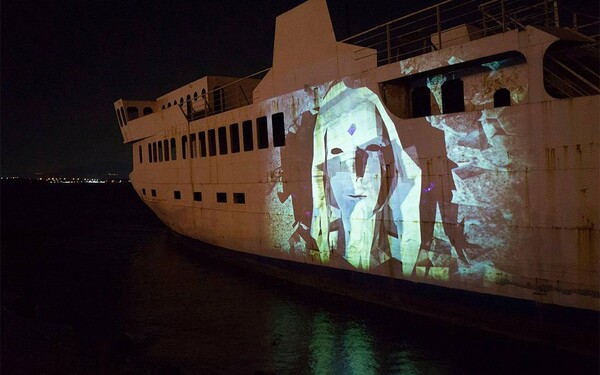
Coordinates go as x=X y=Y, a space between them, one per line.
x=452 y=162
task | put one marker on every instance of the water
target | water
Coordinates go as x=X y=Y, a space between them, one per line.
x=93 y=283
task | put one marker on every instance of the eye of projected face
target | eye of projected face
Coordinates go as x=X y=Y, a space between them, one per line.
x=336 y=151
x=363 y=156
x=374 y=147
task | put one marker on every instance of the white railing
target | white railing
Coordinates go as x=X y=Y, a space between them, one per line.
x=421 y=32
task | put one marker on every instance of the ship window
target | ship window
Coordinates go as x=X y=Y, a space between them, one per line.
x=163 y=106
x=147 y=111
x=154 y=152
x=261 y=132
x=198 y=196
x=212 y=142
x=502 y=98
x=193 y=147
x=278 y=129
x=169 y=105
x=248 y=136
x=222 y=197
x=195 y=95
x=174 y=102
x=184 y=141
x=453 y=96
x=173 y=149
x=132 y=113
x=204 y=101
x=160 y=151
x=234 y=133
x=166 y=148
x=123 y=116
x=153 y=192
x=181 y=100
x=140 y=152
x=150 y=159
x=177 y=194
x=218 y=99
x=222 y=140
x=143 y=191
x=119 y=117
x=202 y=139
x=239 y=198
x=421 y=101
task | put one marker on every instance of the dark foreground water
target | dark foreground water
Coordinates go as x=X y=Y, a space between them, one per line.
x=93 y=283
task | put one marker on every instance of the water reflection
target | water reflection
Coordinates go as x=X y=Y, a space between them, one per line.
x=286 y=330
x=207 y=318
x=346 y=348
x=358 y=349
x=198 y=315
x=104 y=288
x=322 y=344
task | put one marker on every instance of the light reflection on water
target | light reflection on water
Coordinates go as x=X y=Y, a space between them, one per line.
x=206 y=318
x=93 y=269
x=202 y=316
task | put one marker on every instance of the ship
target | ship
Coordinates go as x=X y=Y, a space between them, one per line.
x=445 y=163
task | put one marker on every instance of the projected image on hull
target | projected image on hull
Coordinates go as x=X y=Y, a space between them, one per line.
x=425 y=198
x=364 y=185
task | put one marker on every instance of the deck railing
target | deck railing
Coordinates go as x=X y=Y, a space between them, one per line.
x=419 y=33
x=223 y=98
x=424 y=31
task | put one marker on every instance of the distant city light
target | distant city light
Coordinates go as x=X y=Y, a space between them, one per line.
x=70 y=180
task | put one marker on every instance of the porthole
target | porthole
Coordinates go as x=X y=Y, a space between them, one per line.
x=502 y=98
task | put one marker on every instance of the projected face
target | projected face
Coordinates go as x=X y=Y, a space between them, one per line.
x=354 y=167
x=354 y=158
x=427 y=198
x=358 y=170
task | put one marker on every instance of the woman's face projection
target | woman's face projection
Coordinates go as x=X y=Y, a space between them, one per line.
x=357 y=157
x=354 y=158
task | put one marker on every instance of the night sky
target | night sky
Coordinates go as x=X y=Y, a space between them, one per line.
x=64 y=64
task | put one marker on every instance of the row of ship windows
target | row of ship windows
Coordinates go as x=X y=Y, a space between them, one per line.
x=221 y=197
x=132 y=114
x=164 y=150
x=452 y=93
x=188 y=98
x=452 y=98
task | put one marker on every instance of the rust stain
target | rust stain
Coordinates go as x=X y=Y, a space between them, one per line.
x=429 y=167
x=551 y=157
x=586 y=257
x=527 y=203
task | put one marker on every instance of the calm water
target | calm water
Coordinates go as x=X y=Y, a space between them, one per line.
x=93 y=283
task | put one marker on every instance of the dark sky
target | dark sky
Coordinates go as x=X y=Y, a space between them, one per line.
x=64 y=63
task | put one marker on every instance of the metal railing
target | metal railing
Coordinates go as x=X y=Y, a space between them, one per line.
x=422 y=32
x=431 y=29
x=425 y=30
x=222 y=98
x=573 y=71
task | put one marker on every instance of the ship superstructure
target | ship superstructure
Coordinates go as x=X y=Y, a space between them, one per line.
x=461 y=154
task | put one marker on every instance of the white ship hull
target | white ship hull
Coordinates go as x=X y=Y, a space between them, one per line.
x=494 y=193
